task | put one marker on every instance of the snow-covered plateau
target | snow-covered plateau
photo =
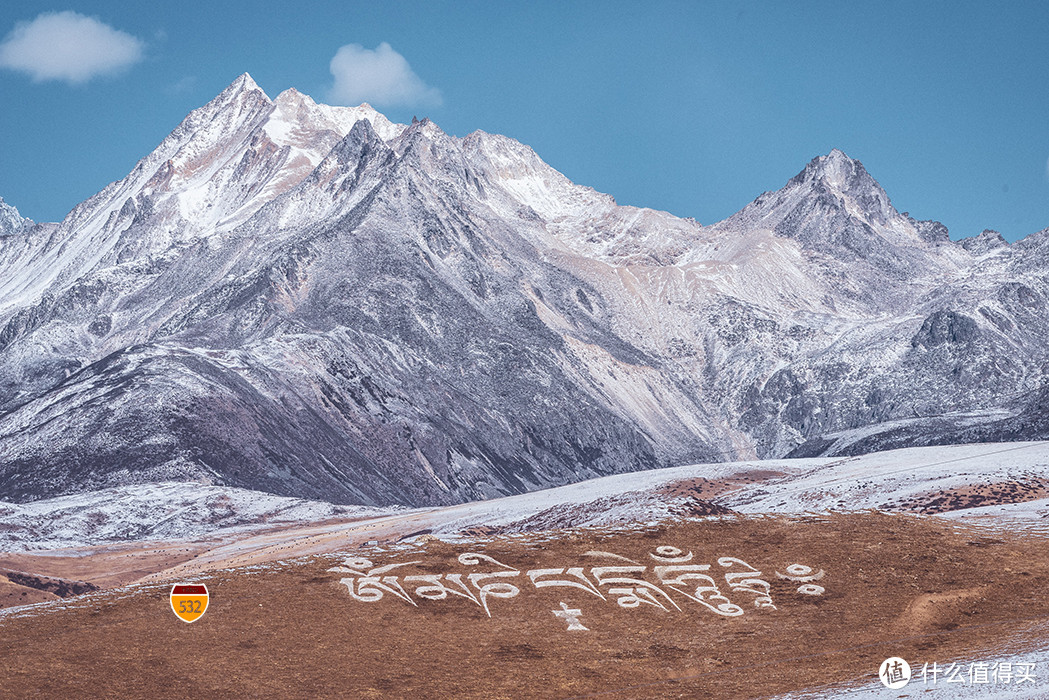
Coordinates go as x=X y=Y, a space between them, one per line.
x=316 y=303
x=996 y=485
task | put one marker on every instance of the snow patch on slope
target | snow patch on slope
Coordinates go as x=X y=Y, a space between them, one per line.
x=160 y=511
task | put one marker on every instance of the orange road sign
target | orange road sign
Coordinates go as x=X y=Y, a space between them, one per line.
x=189 y=601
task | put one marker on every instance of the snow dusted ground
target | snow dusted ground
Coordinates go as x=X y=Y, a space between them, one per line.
x=806 y=485
x=878 y=479
x=161 y=511
x=916 y=688
x=883 y=480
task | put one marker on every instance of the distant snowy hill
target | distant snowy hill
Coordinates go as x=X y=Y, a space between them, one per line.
x=315 y=302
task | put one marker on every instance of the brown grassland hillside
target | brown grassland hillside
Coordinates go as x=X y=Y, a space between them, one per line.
x=905 y=586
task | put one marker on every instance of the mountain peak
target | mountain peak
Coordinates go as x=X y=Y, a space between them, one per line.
x=244 y=83
x=837 y=177
x=836 y=182
x=10 y=220
x=839 y=171
x=987 y=241
x=835 y=207
x=837 y=155
x=291 y=96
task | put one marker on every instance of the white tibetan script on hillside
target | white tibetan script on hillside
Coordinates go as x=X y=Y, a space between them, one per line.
x=672 y=582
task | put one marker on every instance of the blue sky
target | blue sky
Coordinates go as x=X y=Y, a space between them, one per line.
x=691 y=107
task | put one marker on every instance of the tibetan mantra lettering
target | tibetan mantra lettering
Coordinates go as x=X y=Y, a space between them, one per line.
x=673 y=580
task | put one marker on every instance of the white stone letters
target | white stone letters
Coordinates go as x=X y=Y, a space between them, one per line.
x=804 y=575
x=674 y=583
x=571 y=617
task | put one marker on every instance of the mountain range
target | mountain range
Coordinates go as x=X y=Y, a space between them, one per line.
x=313 y=301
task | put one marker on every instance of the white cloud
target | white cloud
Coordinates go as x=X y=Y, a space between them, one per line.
x=68 y=46
x=381 y=77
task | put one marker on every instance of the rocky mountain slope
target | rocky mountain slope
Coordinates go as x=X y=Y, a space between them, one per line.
x=315 y=302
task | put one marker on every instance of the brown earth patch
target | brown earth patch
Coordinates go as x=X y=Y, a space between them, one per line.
x=13 y=594
x=939 y=609
x=706 y=489
x=895 y=585
x=690 y=506
x=973 y=496
x=61 y=587
x=104 y=567
x=111 y=565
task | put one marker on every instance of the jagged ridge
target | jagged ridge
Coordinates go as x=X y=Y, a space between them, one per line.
x=312 y=301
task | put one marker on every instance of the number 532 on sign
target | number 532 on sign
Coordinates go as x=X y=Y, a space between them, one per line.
x=189 y=601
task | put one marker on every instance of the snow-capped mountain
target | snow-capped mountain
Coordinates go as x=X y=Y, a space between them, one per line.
x=315 y=302
x=10 y=220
